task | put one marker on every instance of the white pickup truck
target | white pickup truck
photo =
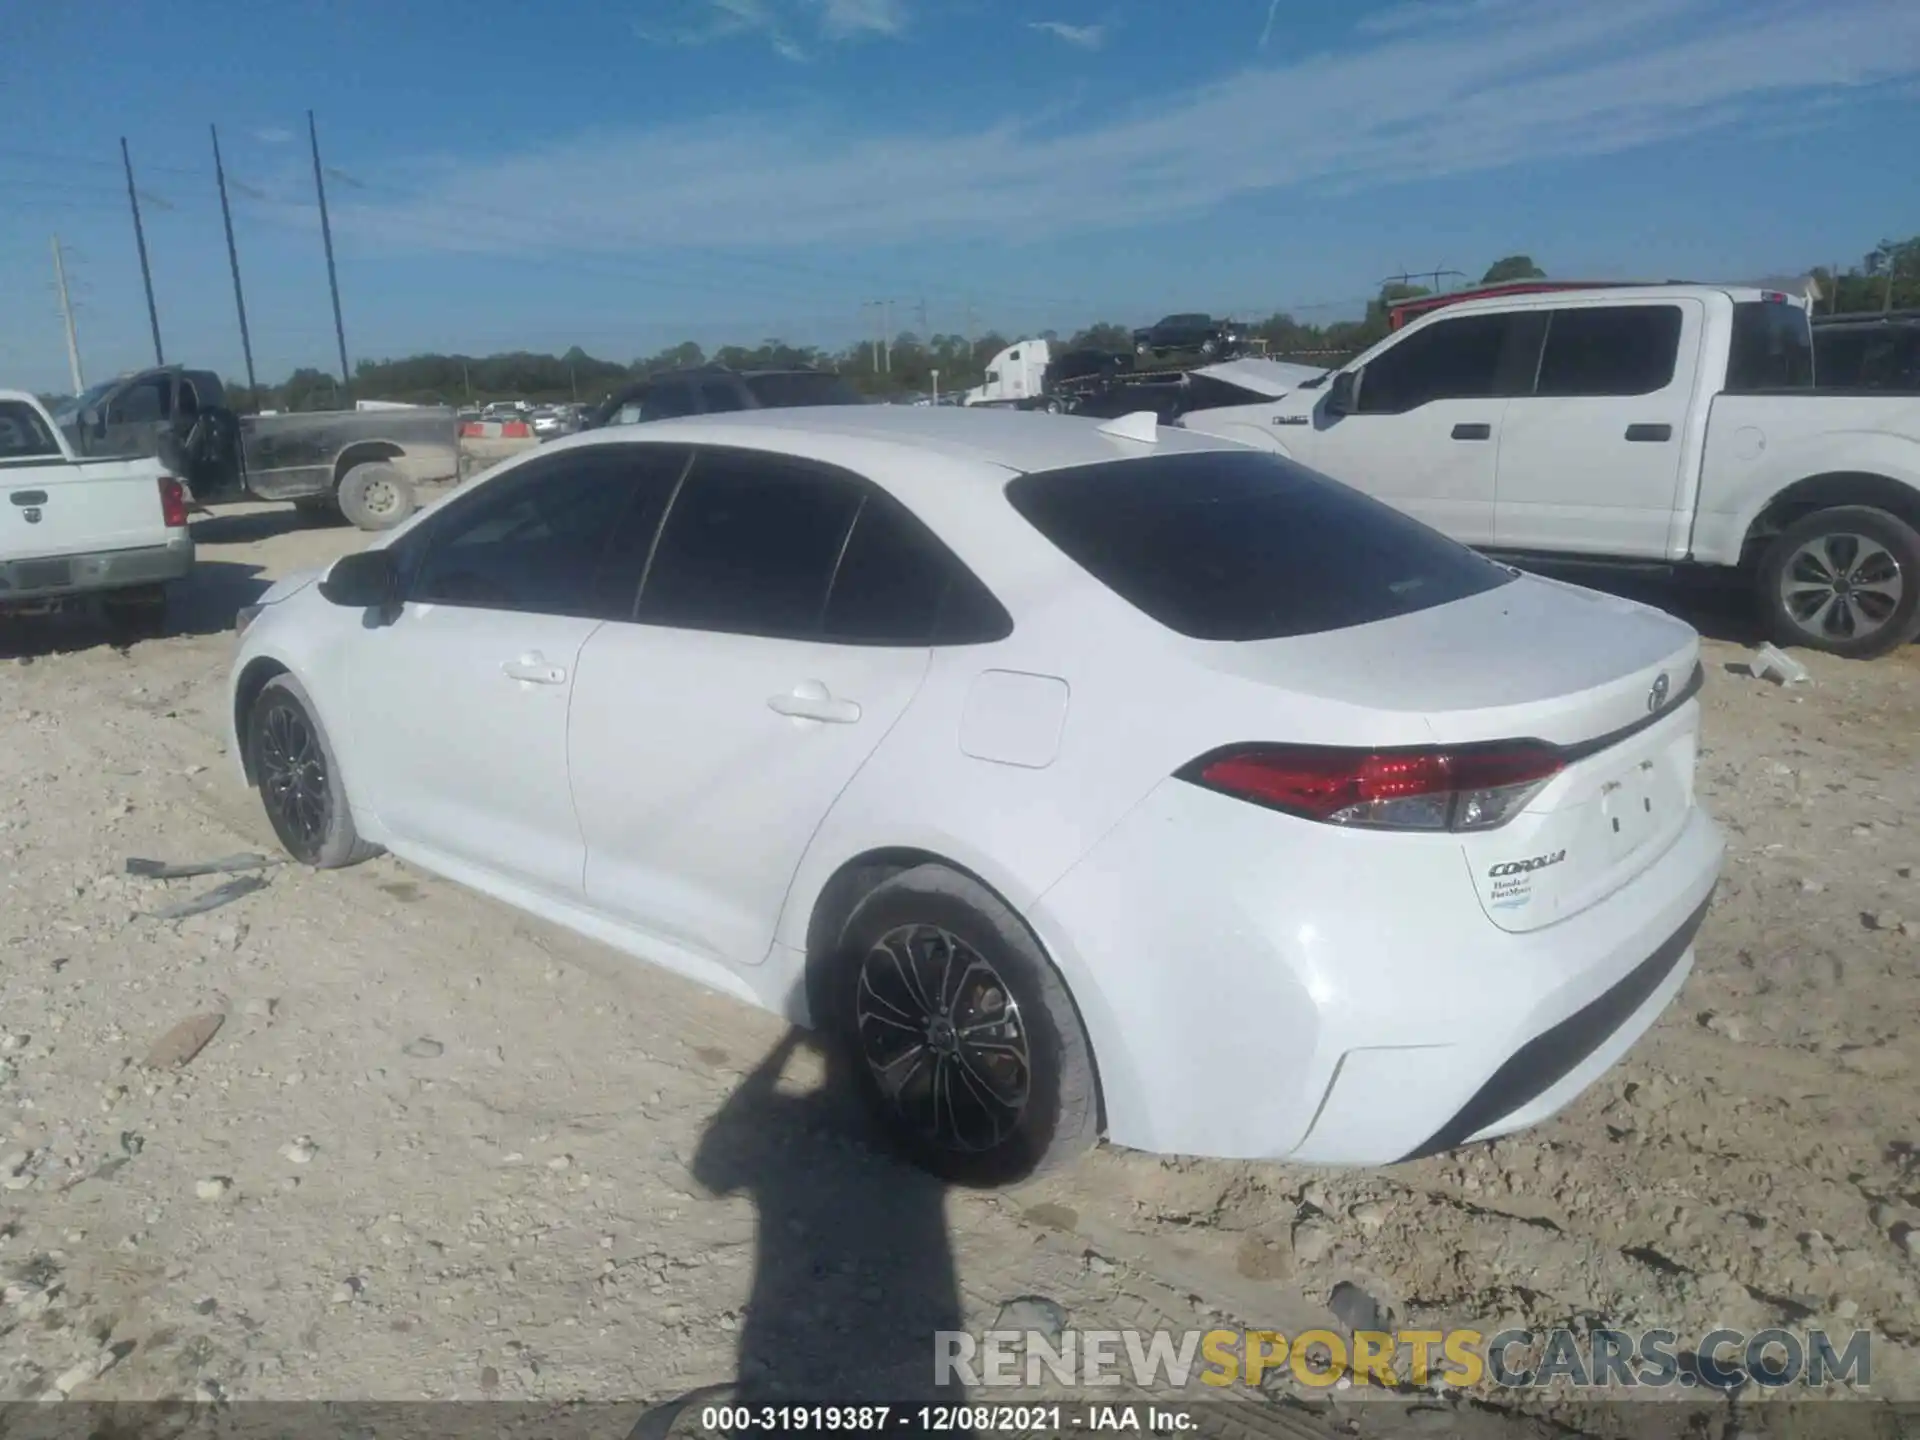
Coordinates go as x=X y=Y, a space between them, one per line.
x=1678 y=425
x=71 y=527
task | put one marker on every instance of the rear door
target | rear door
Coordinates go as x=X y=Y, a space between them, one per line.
x=56 y=506
x=460 y=704
x=784 y=626
x=1590 y=460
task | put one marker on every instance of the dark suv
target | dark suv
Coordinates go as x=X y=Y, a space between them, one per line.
x=1183 y=334
x=711 y=389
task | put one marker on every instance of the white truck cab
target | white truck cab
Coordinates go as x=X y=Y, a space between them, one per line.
x=1018 y=373
x=1674 y=424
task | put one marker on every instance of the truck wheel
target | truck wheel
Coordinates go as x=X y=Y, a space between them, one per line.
x=1052 y=407
x=1209 y=348
x=1142 y=348
x=1845 y=580
x=375 y=496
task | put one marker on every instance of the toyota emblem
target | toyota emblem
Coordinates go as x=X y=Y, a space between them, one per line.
x=1657 y=696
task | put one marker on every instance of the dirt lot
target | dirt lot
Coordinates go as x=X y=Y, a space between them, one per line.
x=437 y=1150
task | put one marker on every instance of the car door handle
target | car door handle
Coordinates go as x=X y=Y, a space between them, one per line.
x=534 y=669
x=1473 y=432
x=810 y=700
x=1650 y=434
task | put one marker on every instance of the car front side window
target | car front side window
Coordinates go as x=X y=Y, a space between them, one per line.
x=565 y=535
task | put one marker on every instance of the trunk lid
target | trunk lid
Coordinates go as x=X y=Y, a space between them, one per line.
x=1608 y=680
x=79 y=506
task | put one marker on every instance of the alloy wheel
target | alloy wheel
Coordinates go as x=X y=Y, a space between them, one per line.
x=1842 y=586
x=292 y=770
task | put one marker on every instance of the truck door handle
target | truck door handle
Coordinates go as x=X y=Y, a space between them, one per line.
x=1473 y=432
x=1650 y=434
x=534 y=670
x=810 y=700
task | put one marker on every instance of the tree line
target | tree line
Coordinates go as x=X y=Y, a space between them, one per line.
x=915 y=364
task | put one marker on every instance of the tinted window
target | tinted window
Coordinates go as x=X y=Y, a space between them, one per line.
x=1448 y=360
x=141 y=403
x=897 y=585
x=1874 y=357
x=784 y=391
x=562 y=536
x=1610 y=350
x=1772 y=347
x=668 y=400
x=719 y=395
x=23 y=434
x=750 y=546
x=1233 y=545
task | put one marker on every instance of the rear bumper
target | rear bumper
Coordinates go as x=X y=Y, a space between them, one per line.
x=56 y=577
x=1262 y=988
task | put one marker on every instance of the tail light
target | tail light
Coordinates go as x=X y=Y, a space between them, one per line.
x=173 y=502
x=1469 y=787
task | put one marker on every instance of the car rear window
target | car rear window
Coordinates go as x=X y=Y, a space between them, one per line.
x=780 y=392
x=1239 y=545
x=1772 y=347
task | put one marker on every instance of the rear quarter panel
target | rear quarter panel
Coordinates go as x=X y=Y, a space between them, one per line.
x=1759 y=445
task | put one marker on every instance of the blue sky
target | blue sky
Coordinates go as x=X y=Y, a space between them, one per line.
x=626 y=176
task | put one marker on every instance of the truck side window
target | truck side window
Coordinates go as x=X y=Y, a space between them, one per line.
x=1458 y=359
x=142 y=403
x=23 y=434
x=1610 y=350
x=668 y=400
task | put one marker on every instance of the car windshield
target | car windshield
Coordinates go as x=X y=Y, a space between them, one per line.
x=1239 y=545
x=788 y=390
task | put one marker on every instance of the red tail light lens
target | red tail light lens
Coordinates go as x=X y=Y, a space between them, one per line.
x=173 y=502
x=1470 y=787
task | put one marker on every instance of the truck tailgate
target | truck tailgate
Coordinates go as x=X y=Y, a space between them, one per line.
x=80 y=506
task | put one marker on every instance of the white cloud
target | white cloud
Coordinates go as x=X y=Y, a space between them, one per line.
x=1533 y=81
x=1087 y=37
x=788 y=26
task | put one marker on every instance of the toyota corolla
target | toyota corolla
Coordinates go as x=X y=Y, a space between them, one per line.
x=1079 y=779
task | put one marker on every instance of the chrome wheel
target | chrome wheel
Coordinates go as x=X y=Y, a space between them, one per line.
x=380 y=498
x=1842 y=586
x=292 y=771
x=943 y=1038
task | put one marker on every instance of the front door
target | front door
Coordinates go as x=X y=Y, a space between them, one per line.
x=460 y=703
x=1427 y=424
x=785 y=625
x=1590 y=461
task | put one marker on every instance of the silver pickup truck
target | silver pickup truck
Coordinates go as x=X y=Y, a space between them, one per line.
x=362 y=464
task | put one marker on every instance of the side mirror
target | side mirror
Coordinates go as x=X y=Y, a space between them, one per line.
x=366 y=580
x=1342 y=390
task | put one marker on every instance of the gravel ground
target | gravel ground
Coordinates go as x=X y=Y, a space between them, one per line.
x=437 y=1150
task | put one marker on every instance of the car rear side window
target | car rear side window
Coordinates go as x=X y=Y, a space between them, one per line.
x=563 y=535
x=1610 y=350
x=750 y=546
x=1239 y=545
x=1772 y=347
x=896 y=584
x=23 y=434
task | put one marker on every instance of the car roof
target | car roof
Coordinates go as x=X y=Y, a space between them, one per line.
x=1599 y=295
x=1017 y=440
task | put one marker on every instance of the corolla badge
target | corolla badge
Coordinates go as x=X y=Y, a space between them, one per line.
x=1657 y=696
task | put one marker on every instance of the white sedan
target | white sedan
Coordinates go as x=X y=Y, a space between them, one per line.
x=1080 y=779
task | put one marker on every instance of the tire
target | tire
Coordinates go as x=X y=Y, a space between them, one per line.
x=1209 y=348
x=1052 y=407
x=1141 y=347
x=1027 y=1106
x=1815 y=578
x=137 y=613
x=375 y=496
x=283 y=733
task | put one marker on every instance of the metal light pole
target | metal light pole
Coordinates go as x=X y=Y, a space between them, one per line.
x=333 y=278
x=140 y=239
x=233 y=263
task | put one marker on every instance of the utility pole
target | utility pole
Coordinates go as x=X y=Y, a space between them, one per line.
x=326 y=239
x=66 y=314
x=233 y=264
x=140 y=239
x=936 y=387
x=886 y=333
x=873 y=345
